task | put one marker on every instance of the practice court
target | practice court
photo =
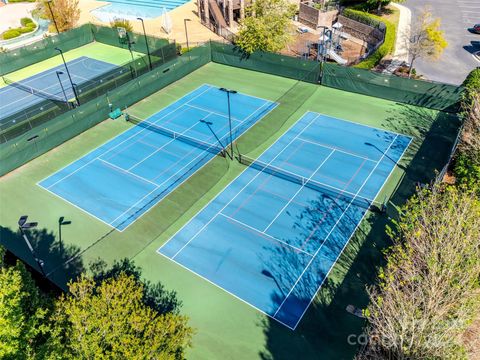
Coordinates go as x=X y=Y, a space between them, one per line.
x=122 y=179
x=273 y=235
x=21 y=94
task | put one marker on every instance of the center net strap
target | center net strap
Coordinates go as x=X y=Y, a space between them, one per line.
x=332 y=192
x=33 y=91
x=214 y=149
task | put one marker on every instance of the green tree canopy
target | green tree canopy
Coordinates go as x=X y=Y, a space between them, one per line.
x=267 y=26
x=111 y=321
x=23 y=314
x=426 y=40
x=428 y=293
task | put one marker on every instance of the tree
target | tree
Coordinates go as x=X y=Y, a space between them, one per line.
x=267 y=26
x=23 y=314
x=428 y=292
x=111 y=321
x=426 y=40
x=65 y=12
x=379 y=4
x=119 y=22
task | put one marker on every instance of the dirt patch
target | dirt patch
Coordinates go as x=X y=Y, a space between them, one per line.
x=298 y=47
x=471 y=340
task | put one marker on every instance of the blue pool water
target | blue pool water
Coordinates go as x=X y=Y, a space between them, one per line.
x=131 y=9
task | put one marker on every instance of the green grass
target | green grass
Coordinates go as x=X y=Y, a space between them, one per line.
x=225 y=326
x=95 y=50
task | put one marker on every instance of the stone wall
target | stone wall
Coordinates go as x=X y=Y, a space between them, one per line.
x=371 y=35
x=312 y=17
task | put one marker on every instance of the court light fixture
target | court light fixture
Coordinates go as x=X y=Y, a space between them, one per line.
x=186 y=31
x=62 y=222
x=22 y=226
x=146 y=43
x=208 y=124
x=53 y=17
x=229 y=116
x=61 y=85
x=68 y=73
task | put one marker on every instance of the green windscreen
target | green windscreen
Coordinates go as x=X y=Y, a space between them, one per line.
x=265 y=62
x=432 y=95
x=46 y=130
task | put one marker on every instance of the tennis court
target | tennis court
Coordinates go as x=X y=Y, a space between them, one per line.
x=273 y=235
x=21 y=94
x=122 y=179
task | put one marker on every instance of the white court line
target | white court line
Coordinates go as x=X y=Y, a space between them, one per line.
x=45 y=89
x=264 y=233
x=225 y=290
x=123 y=132
x=213 y=112
x=239 y=192
x=333 y=228
x=127 y=172
x=215 y=198
x=202 y=154
x=76 y=206
x=337 y=149
x=357 y=123
x=161 y=147
x=187 y=178
x=348 y=241
x=117 y=145
x=298 y=191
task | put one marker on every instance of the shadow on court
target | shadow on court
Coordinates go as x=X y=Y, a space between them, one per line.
x=49 y=249
x=326 y=328
x=155 y=295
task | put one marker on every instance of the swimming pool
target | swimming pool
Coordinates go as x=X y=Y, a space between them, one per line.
x=132 y=9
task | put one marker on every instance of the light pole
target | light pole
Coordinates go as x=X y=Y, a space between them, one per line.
x=186 y=32
x=23 y=225
x=61 y=222
x=69 y=77
x=322 y=56
x=61 y=85
x=208 y=123
x=53 y=17
x=229 y=117
x=146 y=43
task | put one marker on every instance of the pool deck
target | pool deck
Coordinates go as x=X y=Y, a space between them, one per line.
x=197 y=33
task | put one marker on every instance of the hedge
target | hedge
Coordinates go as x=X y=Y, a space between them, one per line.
x=27 y=26
x=390 y=35
x=466 y=167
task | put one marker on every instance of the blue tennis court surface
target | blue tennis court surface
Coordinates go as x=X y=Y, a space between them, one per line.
x=82 y=70
x=271 y=242
x=122 y=179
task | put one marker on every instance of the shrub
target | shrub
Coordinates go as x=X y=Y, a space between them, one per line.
x=25 y=21
x=10 y=34
x=26 y=29
x=467 y=171
x=117 y=22
x=467 y=160
x=390 y=35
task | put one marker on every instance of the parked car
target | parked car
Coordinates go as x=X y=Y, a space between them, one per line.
x=476 y=28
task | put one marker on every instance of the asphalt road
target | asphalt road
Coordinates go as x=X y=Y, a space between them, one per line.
x=457 y=60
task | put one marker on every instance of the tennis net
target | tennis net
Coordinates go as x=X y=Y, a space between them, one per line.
x=331 y=192
x=214 y=149
x=33 y=91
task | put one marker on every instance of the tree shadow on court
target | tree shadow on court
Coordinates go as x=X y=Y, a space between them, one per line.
x=327 y=330
x=433 y=136
x=154 y=294
x=61 y=262
x=324 y=330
